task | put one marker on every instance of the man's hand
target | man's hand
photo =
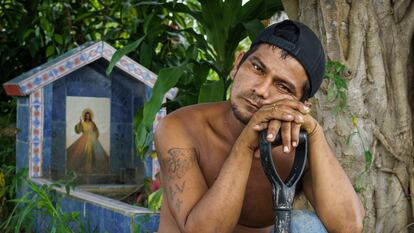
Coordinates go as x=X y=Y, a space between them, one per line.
x=285 y=115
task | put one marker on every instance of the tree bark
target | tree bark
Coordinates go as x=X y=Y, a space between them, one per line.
x=374 y=39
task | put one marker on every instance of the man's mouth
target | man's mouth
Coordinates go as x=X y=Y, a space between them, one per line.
x=251 y=103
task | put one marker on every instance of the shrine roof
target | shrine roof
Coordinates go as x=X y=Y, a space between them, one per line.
x=73 y=60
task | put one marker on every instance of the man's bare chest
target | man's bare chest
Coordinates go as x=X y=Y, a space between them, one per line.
x=257 y=205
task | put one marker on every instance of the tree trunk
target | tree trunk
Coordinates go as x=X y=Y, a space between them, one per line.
x=374 y=39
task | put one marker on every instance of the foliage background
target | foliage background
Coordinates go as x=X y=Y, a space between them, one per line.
x=189 y=44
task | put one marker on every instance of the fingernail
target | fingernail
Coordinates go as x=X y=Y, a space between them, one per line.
x=307 y=109
x=256 y=126
x=286 y=149
x=300 y=118
x=294 y=144
x=269 y=136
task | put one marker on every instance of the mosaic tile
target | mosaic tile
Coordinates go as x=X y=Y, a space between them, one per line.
x=59 y=101
x=22 y=101
x=36 y=106
x=113 y=222
x=22 y=154
x=147 y=223
x=58 y=150
x=87 y=82
x=93 y=217
x=121 y=145
x=47 y=156
x=23 y=116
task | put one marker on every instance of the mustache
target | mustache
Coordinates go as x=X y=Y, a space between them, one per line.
x=254 y=98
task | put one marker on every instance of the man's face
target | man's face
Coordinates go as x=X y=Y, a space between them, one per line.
x=264 y=78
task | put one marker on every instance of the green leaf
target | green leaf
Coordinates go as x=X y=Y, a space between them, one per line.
x=253 y=28
x=368 y=159
x=260 y=9
x=349 y=138
x=121 y=52
x=155 y=200
x=146 y=55
x=58 y=38
x=167 y=79
x=50 y=51
x=211 y=91
x=200 y=71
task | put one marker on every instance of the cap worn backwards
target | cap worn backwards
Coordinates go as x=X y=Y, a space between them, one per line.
x=300 y=42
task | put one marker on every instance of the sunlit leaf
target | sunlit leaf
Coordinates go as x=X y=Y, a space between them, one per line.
x=155 y=200
x=121 y=52
x=167 y=79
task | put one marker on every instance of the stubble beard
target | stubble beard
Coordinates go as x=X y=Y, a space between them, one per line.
x=238 y=114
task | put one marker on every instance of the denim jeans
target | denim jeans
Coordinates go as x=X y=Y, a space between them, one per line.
x=305 y=221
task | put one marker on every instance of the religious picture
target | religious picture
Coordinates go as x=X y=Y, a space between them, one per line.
x=87 y=154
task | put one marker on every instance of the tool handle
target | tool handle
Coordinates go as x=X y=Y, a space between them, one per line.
x=282 y=221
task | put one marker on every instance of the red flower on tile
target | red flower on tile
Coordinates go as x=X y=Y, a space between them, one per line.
x=36 y=113
x=61 y=68
x=36 y=169
x=77 y=61
x=36 y=132
x=45 y=77
x=37 y=94
x=36 y=151
x=29 y=85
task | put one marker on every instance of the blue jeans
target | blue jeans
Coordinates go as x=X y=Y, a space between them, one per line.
x=305 y=221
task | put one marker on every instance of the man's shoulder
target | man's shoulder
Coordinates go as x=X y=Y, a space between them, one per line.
x=197 y=113
x=191 y=120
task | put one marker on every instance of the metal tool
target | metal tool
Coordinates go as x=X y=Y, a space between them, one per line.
x=283 y=192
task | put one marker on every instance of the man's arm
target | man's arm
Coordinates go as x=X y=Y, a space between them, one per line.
x=195 y=207
x=328 y=188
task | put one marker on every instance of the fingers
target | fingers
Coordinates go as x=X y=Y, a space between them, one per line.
x=295 y=134
x=272 y=130
x=299 y=106
x=286 y=136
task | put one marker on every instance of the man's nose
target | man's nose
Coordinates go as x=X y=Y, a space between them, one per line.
x=262 y=87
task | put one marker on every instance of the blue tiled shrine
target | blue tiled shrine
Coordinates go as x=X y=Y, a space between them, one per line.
x=72 y=117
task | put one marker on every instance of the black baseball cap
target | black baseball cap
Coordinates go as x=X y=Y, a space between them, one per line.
x=300 y=42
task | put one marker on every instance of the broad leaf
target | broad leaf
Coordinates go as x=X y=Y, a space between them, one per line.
x=155 y=200
x=260 y=9
x=253 y=28
x=211 y=91
x=167 y=78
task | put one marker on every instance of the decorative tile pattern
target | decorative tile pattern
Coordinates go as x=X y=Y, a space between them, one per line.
x=36 y=133
x=61 y=66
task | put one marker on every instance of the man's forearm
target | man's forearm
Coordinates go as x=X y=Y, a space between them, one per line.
x=334 y=197
x=219 y=208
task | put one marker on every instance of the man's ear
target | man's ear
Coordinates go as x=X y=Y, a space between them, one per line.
x=236 y=65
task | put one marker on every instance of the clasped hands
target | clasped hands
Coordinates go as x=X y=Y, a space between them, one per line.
x=286 y=115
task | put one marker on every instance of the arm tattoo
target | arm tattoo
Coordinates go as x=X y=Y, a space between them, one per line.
x=179 y=161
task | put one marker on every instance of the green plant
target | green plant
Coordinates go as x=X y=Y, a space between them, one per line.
x=337 y=87
x=338 y=92
x=41 y=202
x=191 y=49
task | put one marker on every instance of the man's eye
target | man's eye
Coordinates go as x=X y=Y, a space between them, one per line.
x=283 y=88
x=258 y=68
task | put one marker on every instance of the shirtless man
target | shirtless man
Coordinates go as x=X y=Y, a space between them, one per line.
x=210 y=166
